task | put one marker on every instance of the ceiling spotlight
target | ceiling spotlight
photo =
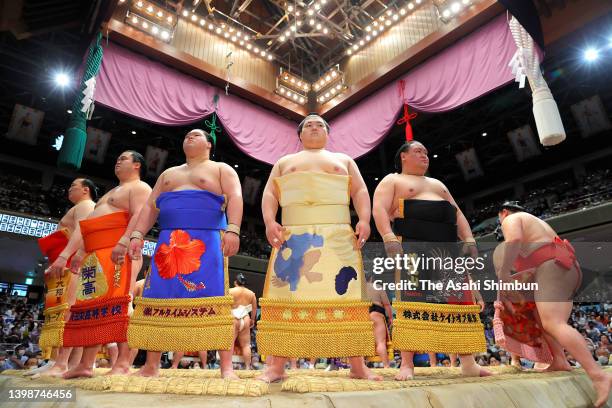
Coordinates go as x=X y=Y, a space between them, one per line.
x=326 y=94
x=301 y=99
x=293 y=28
x=361 y=42
x=466 y=2
x=69 y=111
x=410 y=6
x=135 y=20
x=150 y=9
x=194 y=17
x=226 y=35
x=235 y=166
x=270 y=57
x=202 y=22
x=418 y=1
x=591 y=54
x=288 y=93
x=139 y=4
x=155 y=30
x=435 y=156
x=455 y=7
x=389 y=12
x=388 y=22
x=290 y=8
x=234 y=38
x=263 y=54
x=160 y=14
x=311 y=21
x=395 y=17
x=368 y=38
x=211 y=26
x=328 y=78
x=62 y=79
x=403 y=10
x=334 y=74
x=323 y=1
x=295 y=97
x=133 y=132
x=292 y=80
x=282 y=38
x=446 y=13
x=339 y=86
x=218 y=30
x=165 y=35
x=381 y=28
x=355 y=47
x=320 y=99
x=374 y=33
x=256 y=50
x=310 y=12
x=246 y=38
x=231 y=29
x=319 y=26
x=368 y=29
x=169 y=19
x=325 y=30
x=317 y=6
x=299 y=84
x=241 y=42
x=297 y=13
x=249 y=46
x=145 y=25
x=298 y=23
x=484 y=134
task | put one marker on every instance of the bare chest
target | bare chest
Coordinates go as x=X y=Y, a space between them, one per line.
x=197 y=179
x=320 y=164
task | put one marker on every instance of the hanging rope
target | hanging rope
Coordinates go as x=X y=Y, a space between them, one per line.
x=71 y=153
x=407 y=117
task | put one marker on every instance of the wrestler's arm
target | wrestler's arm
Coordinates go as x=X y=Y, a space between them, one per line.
x=149 y=212
x=269 y=208
x=383 y=205
x=230 y=185
x=512 y=227
x=361 y=202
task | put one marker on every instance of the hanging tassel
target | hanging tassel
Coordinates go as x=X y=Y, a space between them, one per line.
x=212 y=125
x=407 y=117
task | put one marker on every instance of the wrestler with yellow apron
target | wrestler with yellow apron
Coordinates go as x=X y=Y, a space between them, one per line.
x=313 y=300
x=100 y=313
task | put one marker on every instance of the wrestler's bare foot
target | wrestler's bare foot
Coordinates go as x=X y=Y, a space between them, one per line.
x=40 y=370
x=146 y=371
x=405 y=373
x=55 y=371
x=364 y=373
x=602 y=384
x=229 y=375
x=556 y=366
x=272 y=376
x=475 y=371
x=119 y=370
x=79 y=371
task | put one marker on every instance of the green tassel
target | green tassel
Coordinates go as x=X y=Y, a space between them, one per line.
x=75 y=138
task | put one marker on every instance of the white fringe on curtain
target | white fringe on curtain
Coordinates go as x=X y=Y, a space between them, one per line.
x=525 y=65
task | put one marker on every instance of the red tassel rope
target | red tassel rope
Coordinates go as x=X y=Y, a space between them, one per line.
x=407 y=115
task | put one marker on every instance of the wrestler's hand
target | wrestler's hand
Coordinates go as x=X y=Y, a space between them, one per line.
x=77 y=260
x=135 y=249
x=362 y=230
x=275 y=234
x=478 y=299
x=230 y=244
x=56 y=269
x=118 y=254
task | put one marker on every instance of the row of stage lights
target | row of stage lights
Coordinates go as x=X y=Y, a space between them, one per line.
x=142 y=13
x=452 y=8
x=292 y=87
x=311 y=10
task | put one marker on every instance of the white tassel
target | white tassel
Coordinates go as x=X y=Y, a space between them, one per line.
x=547 y=118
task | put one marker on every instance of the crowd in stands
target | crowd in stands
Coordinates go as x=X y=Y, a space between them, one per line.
x=27 y=196
x=556 y=198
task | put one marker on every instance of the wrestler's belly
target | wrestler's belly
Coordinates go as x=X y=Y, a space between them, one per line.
x=316 y=262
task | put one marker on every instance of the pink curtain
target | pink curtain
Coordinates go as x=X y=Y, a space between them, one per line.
x=474 y=66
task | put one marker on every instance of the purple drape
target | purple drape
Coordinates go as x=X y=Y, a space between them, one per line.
x=137 y=86
x=472 y=67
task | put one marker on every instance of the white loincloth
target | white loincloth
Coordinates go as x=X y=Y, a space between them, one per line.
x=240 y=313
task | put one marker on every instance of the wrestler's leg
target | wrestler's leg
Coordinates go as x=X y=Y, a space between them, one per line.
x=469 y=368
x=516 y=360
x=359 y=370
x=380 y=337
x=311 y=363
x=133 y=354
x=275 y=369
x=227 y=369
x=113 y=353
x=176 y=359
x=559 y=362
x=244 y=339
x=151 y=366
x=122 y=364
x=61 y=363
x=556 y=282
x=203 y=357
x=453 y=359
x=85 y=367
x=407 y=366
x=433 y=361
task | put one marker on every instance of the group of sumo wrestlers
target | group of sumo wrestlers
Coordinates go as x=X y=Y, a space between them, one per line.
x=315 y=300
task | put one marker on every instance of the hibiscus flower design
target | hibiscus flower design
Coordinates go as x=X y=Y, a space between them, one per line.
x=181 y=257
